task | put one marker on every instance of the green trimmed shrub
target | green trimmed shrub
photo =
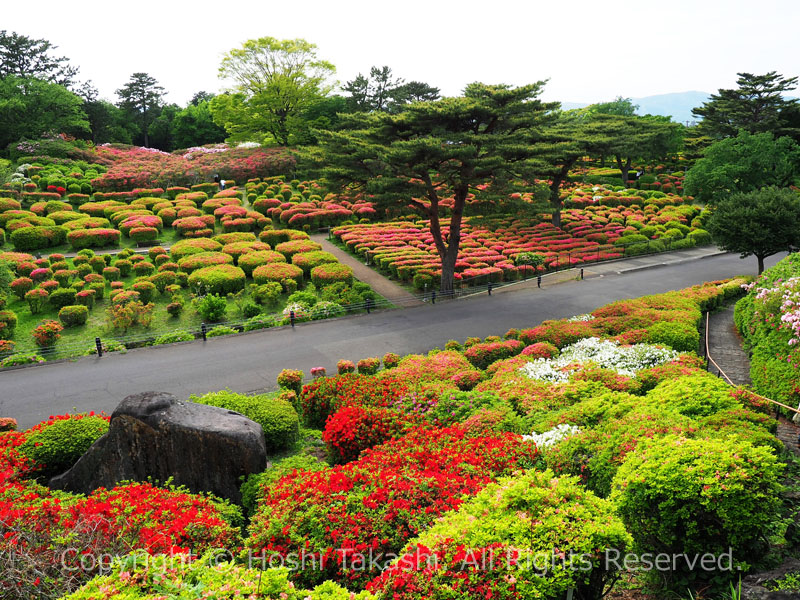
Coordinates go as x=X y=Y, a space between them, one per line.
x=326 y=310
x=59 y=445
x=194 y=246
x=147 y=290
x=309 y=260
x=204 y=259
x=220 y=330
x=219 y=279
x=696 y=395
x=680 y=336
x=38 y=237
x=173 y=337
x=277 y=417
x=8 y=323
x=266 y=293
x=212 y=307
x=62 y=297
x=683 y=496
x=73 y=315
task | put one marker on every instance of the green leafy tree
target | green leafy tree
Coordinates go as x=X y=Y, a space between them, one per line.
x=413 y=91
x=744 y=163
x=142 y=97
x=622 y=107
x=435 y=150
x=757 y=105
x=21 y=56
x=275 y=80
x=162 y=130
x=759 y=223
x=629 y=138
x=195 y=126
x=107 y=122
x=31 y=107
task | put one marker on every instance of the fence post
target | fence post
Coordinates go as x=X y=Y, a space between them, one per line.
x=99 y=346
x=433 y=296
x=291 y=317
x=203 y=330
x=489 y=288
x=581 y=273
x=369 y=304
x=539 y=281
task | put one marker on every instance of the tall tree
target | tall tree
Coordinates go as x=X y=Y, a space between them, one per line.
x=631 y=138
x=30 y=107
x=756 y=106
x=744 y=163
x=142 y=97
x=622 y=107
x=759 y=223
x=373 y=92
x=274 y=81
x=412 y=91
x=162 y=130
x=434 y=150
x=22 y=56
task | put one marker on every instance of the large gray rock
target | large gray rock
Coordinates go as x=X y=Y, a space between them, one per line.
x=154 y=435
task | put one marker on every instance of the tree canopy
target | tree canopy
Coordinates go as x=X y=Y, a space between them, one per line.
x=381 y=91
x=275 y=80
x=758 y=223
x=437 y=151
x=31 y=107
x=22 y=56
x=744 y=163
x=757 y=105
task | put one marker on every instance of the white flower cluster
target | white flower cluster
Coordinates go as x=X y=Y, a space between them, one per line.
x=607 y=354
x=190 y=152
x=248 y=145
x=586 y=317
x=553 y=436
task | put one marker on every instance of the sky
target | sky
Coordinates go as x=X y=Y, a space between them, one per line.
x=588 y=50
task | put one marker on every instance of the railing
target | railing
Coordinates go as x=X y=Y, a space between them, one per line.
x=723 y=375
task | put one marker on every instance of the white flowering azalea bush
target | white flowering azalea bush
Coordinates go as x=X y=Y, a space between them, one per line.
x=552 y=436
x=606 y=354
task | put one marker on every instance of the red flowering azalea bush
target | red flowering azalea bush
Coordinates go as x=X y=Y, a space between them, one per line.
x=558 y=333
x=377 y=503
x=540 y=350
x=369 y=366
x=204 y=259
x=93 y=238
x=291 y=379
x=345 y=366
x=250 y=261
x=484 y=354
x=329 y=273
x=277 y=272
x=187 y=247
x=47 y=333
x=352 y=429
x=324 y=396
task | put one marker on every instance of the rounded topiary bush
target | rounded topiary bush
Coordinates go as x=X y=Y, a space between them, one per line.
x=239 y=249
x=250 y=261
x=58 y=443
x=201 y=260
x=292 y=247
x=331 y=273
x=62 y=297
x=309 y=260
x=187 y=247
x=147 y=290
x=697 y=395
x=277 y=418
x=682 y=496
x=540 y=350
x=277 y=272
x=219 y=279
x=353 y=429
x=73 y=315
x=273 y=237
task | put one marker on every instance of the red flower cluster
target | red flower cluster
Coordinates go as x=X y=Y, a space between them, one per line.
x=375 y=505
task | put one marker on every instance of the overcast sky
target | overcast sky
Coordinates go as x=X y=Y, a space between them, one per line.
x=589 y=50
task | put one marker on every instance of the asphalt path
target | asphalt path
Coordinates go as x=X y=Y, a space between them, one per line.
x=251 y=361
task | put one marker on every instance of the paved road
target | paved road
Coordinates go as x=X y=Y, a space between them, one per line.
x=251 y=361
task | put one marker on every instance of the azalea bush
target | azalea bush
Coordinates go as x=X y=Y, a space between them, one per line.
x=379 y=502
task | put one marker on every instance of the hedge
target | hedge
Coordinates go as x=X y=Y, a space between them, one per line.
x=93 y=238
x=38 y=237
x=309 y=260
x=218 y=279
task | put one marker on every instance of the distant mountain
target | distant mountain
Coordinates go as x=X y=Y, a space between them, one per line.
x=677 y=105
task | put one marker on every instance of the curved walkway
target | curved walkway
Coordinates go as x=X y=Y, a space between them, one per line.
x=252 y=361
x=725 y=347
x=385 y=287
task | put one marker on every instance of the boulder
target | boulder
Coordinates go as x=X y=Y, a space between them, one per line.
x=155 y=436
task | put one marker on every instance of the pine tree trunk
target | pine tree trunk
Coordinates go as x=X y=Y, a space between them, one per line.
x=760 y=264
